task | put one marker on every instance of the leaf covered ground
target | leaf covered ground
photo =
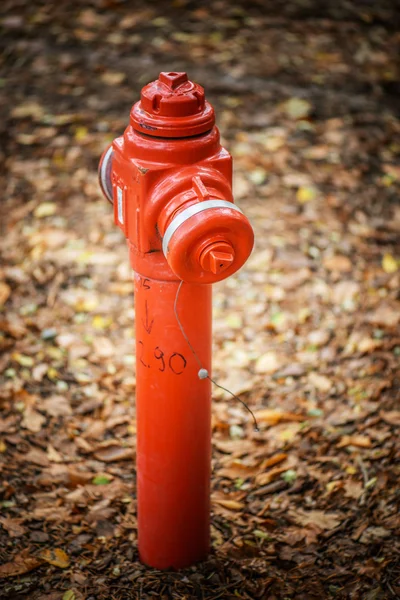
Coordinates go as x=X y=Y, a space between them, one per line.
x=308 y=332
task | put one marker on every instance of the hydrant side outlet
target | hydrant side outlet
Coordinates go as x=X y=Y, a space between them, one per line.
x=170 y=182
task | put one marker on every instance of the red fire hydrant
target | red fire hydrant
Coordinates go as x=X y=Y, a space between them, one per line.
x=171 y=185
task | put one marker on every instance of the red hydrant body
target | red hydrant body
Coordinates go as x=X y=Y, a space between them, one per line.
x=170 y=182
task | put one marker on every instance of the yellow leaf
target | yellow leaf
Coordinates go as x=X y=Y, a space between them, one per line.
x=306 y=194
x=52 y=373
x=389 y=263
x=56 y=557
x=303 y=315
x=100 y=322
x=297 y=108
x=234 y=321
x=258 y=176
x=88 y=304
x=84 y=257
x=288 y=434
x=351 y=470
x=331 y=486
x=81 y=133
x=45 y=209
x=23 y=360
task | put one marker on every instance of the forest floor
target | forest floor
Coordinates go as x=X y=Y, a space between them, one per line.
x=308 y=332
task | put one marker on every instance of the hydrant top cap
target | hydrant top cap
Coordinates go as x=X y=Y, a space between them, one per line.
x=172 y=106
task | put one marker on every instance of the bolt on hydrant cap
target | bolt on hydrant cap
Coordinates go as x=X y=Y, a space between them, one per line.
x=217 y=257
x=172 y=106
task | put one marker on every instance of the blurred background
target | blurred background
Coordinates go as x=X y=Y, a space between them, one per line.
x=306 y=97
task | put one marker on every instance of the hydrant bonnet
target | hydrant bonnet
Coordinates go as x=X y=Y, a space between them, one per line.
x=172 y=106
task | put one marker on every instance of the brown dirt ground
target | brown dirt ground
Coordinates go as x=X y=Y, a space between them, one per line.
x=308 y=333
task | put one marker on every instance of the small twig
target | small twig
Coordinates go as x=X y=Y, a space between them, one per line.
x=54 y=289
x=364 y=472
x=362 y=469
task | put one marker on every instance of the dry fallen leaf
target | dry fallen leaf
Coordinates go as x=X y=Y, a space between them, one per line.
x=32 y=420
x=353 y=489
x=13 y=526
x=36 y=457
x=339 y=263
x=273 y=460
x=5 y=292
x=374 y=534
x=103 y=347
x=268 y=363
x=53 y=455
x=56 y=557
x=367 y=345
x=114 y=453
x=319 y=337
x=320 y=382
x=385 y=315
x=317 y=518
x=237 y=447
x=112 y=78
x=28 y=109
x=230 y=504
x=360 y=441
x=20 y=564
x=39 y=371
x=392 y=417
x=264 y=478
x=57 y=406
x=273 y=416
x=237 y=469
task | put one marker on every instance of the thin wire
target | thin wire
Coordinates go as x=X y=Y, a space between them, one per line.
x=181 y=326
x=204 y=374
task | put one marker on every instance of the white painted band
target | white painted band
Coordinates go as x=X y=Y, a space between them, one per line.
x=189 y=212
x=104 y=172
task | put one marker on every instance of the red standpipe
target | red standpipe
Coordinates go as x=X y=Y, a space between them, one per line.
x=173 y=408
x=171 y=185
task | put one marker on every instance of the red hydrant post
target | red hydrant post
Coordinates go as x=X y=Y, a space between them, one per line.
x=171 y=185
